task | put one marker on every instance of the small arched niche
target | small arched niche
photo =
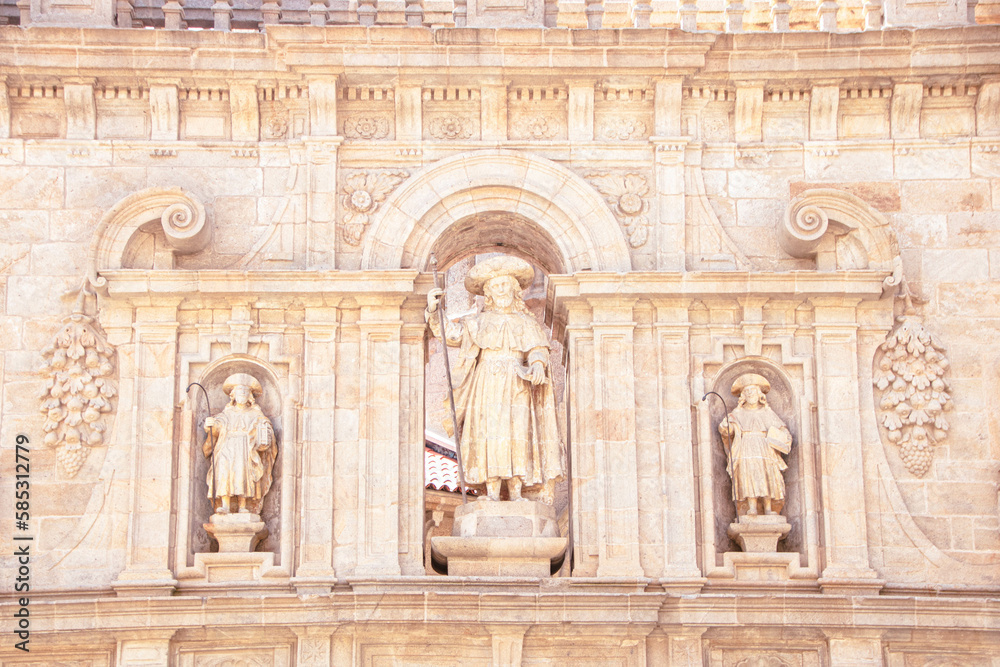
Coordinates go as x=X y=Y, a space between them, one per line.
x=270 y=402
x=782 y=399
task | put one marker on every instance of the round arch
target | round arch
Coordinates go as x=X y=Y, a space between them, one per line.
x=576 y=222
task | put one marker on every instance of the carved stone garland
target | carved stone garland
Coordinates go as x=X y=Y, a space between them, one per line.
x=361 y=196
x=626 y=194
x=79 y=367
x=909 y=375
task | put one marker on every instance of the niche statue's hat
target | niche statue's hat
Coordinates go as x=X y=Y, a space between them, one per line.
x=744 y=381
x=496 y=267
x=244 y=379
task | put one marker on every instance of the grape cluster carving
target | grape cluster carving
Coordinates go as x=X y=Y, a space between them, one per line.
x=909 y=374
x=79 y=388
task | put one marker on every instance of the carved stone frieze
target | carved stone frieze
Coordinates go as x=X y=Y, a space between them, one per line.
x=913 y=393
x=79 y=368
x=450 y=127
x=275 y=125
x=360 y=197
x=537 y=127
x=627 y=194
x=367 y=126
x=623 y=128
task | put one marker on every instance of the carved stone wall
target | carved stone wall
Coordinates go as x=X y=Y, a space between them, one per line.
x=820 y=208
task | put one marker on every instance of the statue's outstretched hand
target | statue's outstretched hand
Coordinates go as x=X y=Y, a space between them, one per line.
x=433 y=299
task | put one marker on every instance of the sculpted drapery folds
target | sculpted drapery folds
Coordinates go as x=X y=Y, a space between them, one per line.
x=755 y=438
x=242 y=448
x=504 y=398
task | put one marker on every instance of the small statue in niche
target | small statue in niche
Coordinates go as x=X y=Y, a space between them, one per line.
x=755 y=438
x=241 y=447
x=505 y=402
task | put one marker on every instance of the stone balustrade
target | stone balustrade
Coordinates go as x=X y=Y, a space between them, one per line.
x=728 y=16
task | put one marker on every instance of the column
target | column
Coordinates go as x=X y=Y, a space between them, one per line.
x=164 y=110
x=81 y=111
x=493 y=110
x=322 y=202
x=316 y=490
x=615 y=448
x=824 y=102
x=581 y=110
x=907 y=98
x=148 y=543
x=749 y=111
x=244 y=112
x=409 y=121
x=841 y=466
x=671 y=330
x=411 y=451
x=378 y=436
x=669 y=175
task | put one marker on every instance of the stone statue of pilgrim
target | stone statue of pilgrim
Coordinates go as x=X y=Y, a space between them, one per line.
x=242 y=449
x=504 y=401
x=755 y=438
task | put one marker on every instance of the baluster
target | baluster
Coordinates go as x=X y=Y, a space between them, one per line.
x=873 y=14
x=25 y=7
x=414 y=13
x=367 y=12
x=173 y=14
x=827 y=12
x=688 y=13
x=460 y=13
x=124 y=13
x=735 y=10
x=595 y=14
x=780 y=10
x=319 y=13
x=222 y=12
x=641 y=11
x=551 y=13
x=270 y=12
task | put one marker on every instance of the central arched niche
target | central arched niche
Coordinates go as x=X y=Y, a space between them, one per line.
x=549 y=204
x=496 y=231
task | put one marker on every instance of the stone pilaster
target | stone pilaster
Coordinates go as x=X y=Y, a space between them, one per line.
x=315 y=567
x=378 y=437
x=411 y=454
x=841 y=465
x=409 y=119
x=164 y=110
x=322 y=202
x=81 y=111
x=824 y=101
x=749 y=112
x=581 y=110
x=244 y=111
x=493 y=110
x=907 y=99
x=151 y=467
x=671 y=331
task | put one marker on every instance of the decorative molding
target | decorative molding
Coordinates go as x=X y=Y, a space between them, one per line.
x=627 y=196
x=361 y=196
x=624 y=129
x=914 y=394
x=364 y=126
x=181 y=216
x=79 y=365
x=450 y=127
x=540 y=126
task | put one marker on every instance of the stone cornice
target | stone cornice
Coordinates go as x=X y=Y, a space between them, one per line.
x=290 y=53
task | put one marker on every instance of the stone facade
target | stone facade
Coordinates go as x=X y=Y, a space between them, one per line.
x=816 y=202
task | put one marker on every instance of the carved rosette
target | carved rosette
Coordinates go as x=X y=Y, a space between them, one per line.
x=275 y=126
x=451 y=127
x=79 y=388
x=366 y=127
x=913 y=393
x=626 y=194
x=624 y=129
x=536 y=127
x=361 y=196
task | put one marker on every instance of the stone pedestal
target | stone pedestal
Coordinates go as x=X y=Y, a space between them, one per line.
x=236 y=533
x=501 y=539
x=759 y=533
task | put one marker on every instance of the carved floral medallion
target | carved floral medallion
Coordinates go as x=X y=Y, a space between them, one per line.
x=360 y=197
x=627 y=196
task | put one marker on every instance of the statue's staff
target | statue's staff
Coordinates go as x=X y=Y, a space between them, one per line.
x=724 y=406
x=208 y=437
x=451 y=390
